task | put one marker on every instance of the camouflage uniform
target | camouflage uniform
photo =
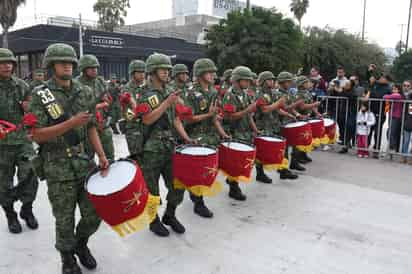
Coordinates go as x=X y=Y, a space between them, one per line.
x=303 y=94
x=15 y=149
x=35 y=83
x=115 y=110
x=66 y=163
x=99 y=89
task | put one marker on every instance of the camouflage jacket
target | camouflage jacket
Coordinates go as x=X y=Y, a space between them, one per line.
x=12 y=93
x=307 y=98
x=99 y=89
x=235 y=101
x=269 y=123
x=158 y=137
x=135 y=91
x=64 y=158
x=290 y=99
x=35 y=83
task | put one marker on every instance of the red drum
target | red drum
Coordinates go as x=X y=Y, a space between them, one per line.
x=122 y=198
x=195 y=169
x=270 y=152
x=236 y=160
x=299 y=135
x=330 y=131
x=7 y=127
x=318 y=131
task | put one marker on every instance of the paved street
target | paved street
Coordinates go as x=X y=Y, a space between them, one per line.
x=345 y=215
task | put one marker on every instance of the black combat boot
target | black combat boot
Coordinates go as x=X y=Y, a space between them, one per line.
x=158 y=228
x=200 y=208
x=26 y=213
x=286 y=174
x=69 y=264
x=85 y=256
x=295 y=165
x=12 y=221
x=169 y=218
x=306 y=157
x=261 y=176
x=299 y=157
x=234 y=191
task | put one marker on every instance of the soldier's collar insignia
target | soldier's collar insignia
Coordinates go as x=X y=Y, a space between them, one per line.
x=153 y=101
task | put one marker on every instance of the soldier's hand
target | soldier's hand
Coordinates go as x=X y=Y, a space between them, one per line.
x=252 y=107
x=80 y=119
x=104 y=166
x=213 y=108
x=172 y=98
x=316 y=104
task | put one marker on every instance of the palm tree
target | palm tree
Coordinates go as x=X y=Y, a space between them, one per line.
x=299 y=8
x=8 y=16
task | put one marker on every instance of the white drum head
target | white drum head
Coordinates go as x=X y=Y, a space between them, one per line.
x=238 y=146
x=296 y=124
x=270 y=139
x=328 y=122
x=314 y=121
x=120 y=175
x=198 y=151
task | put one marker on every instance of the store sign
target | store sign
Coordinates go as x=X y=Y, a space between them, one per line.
x=106 y=42
x=222 y=7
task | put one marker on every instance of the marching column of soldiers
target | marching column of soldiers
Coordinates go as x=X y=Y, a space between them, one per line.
x=75 y=120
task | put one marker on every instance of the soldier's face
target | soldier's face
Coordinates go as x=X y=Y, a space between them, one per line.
x=63 y=70
x=6 y=70
x=138 y=76
x=91 y=72
x=183 y=77
x=209 y=77
x=307 y=85
x=162 y=75
x=285 y=85
x=244 y=84
x=270 y=83
x=38 y=77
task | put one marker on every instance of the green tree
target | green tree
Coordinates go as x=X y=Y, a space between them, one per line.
x=328 y=48
x=402 y=66
x=260 y=39
x=299 y=9
x=111 y=13
x=400 y=47
x=8 y=16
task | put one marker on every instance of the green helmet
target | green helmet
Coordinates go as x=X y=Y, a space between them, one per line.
x=137 y=66
x=285 y=76
x=301 y=80
x=7 y=56
x=255 y=76
x=264 y=76
x=242 y=73
x=202 y=66
x=179 y=68
x=227 y=74
x=158 y=61
x=59 y=53
x=88 y=61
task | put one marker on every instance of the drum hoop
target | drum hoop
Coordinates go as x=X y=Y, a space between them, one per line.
x=272 y=136
x=300 y=121
x=96 y=169
x=239 y=141
x=316 y=120
x=178 y=149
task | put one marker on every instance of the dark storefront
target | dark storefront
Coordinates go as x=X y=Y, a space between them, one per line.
x=114 y=50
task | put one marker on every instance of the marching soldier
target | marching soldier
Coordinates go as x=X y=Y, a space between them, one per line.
x=134 y=88
x=238 y=120
x=225 y=85
x=203 y=126
x=15 y=148
x=180 y=76
x=268 y=119
x=156 y=109
x=64 y=109
x=38 y=76
x=114 y=90
x=89 y=66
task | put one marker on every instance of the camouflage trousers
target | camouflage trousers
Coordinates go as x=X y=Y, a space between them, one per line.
x=155 y=164
x=12 y=158
x=106 y=138
x=134 y=139
x=64 y=196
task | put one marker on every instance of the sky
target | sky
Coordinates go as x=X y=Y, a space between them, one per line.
x=383 y=19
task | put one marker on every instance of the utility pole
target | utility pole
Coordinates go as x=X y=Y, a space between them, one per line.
x=401 y=40
x=80 y=35
x=248 y=4
x=35 y=11
x=364 y=20
x=409 y=25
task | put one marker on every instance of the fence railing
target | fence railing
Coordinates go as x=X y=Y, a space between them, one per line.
x=388 y=137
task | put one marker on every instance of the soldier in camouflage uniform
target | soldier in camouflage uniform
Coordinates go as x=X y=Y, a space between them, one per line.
x=203 y=125
x=65 y=123
x=156 y=110
x=134 y=87
x=225 y=84
x=180 y=76
x=268 y=118
x=285 y=80
x=115 y=111
x=15 y=148
x=238 y=120
x=38 y=76
x=88 y=66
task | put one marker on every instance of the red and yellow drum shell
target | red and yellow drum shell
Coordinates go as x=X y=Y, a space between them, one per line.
x=330 y=131
x=236 y=160
x=297 y=133
x=318 y=128
x=270 y=152
x=196 y=170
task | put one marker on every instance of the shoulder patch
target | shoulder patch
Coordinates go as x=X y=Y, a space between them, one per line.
x=153 y=101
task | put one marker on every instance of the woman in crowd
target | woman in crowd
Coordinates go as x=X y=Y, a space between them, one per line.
x=395 y=117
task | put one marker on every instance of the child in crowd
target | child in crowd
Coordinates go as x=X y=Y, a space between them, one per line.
x=364 y=121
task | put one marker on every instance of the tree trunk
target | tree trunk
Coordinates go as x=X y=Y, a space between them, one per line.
x=5 y=38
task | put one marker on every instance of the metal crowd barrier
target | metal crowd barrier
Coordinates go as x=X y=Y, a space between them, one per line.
x=343 y=111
